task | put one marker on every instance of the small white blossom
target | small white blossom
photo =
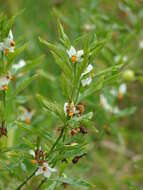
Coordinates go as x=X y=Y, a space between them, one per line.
x=86 y=82
x=118 y=58
x=87 y=70
x=26 y=115
x=88 y=27
x=114 y=92
x=32 y=153
x=1 y=46
x=65 y=107
x=123 y=89
x=69 y=109
x=45 y=170
x=105 y=103
x=125 y=58
x=9 y=43
x=141 y=44
x=75 y=56
x=4 y=81
x=115 y=110
x=19 y=65
x=107 y=106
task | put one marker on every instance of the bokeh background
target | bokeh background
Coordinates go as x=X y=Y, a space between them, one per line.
x=115 y=157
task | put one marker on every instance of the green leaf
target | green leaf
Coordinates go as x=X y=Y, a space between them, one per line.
x=76 y=182
x=53 y=107
x=84 y=117
x=14 y=55
x=52 y=186
x=24 y=84
x=62 y=64
x=63 y=37
x=54 y=48
x=94 y=87
x=32 y=63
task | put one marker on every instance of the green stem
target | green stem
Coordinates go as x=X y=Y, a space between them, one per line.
x=52 y=148
x=78 y=91
x=41 y=183
x=26 y=180
x=74 y=75
x=56 y=142
x=58 y=139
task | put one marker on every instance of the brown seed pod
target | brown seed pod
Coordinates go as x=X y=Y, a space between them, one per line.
x=81 y=108
x=3 y=129
x=73 y=132
x=65 y=185
x=83 y=130
x=77 y=158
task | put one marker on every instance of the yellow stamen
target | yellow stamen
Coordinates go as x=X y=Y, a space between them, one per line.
x=70 y=114
x=5 y=87
x=33 y=161
x=28 y=121
x=120 y=96
x=74 y=58
x=6 y=51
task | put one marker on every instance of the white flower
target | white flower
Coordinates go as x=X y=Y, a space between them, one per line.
x=32 y=153
x=86 y=82
x=141 y=44
x=46 y=170
x=9 y=44
x=1 y=46
x=125 y=58
x=115 y=110
x=4 y=82
x=87 y=70
x=114 y=92
x=26 y=115
x=65 y=107
x=69 y=109
x=107 y=106
x=88 y=27
x=105 y=103
x=117 y=58
x=123 y=89
x=75 y=55
x=19 y=65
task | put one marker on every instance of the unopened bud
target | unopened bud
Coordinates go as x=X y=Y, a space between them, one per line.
x=129 y=75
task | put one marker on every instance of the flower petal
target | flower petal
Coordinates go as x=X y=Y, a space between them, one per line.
x=39 y=171
x=123 y=88
x=86 y=82
x=3 y=81
x=80 y=53
x=65 y=108
x=47 y=173
x=87 y=70
x=71 y=51
x=10 y=35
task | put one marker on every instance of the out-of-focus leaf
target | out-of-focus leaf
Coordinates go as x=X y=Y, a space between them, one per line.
x=53 y=107
x=24 y=84
x=63 y=37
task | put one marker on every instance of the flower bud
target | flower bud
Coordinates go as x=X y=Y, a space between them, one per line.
x=129 y=75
